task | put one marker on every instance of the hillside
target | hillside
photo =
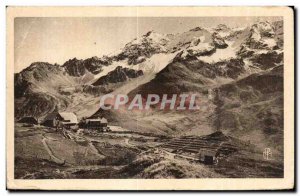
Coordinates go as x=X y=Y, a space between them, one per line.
x=252 y=108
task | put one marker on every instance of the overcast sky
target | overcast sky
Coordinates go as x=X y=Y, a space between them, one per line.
x=55 y=40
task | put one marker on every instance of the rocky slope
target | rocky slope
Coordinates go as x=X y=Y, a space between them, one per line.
x=39 y=89
x=252 y=108
x=118 y=75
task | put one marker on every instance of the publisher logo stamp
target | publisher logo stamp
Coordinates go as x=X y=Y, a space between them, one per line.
x=267 y=154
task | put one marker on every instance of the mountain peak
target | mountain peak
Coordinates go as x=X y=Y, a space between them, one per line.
x=39 y=63
x=71 y=61
x=149 y=33
x=95 y=58
x=35 y=65
x=197 y=29
x=222 y=27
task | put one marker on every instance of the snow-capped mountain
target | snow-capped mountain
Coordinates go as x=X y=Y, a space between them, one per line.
x=201 y=60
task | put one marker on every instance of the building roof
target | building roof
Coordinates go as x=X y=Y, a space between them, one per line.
x=101 y=120
x=94 y=120
x=68 y=123
x=70 y=116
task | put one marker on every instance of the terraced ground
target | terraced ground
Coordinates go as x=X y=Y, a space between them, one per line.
x=236 y=158
x=217 y=142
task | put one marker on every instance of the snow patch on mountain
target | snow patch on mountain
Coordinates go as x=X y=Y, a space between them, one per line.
x=224 y=34
x=155 y=63
x=200 y=48
x=270 y=42
x=220 y=54
x=262 y=36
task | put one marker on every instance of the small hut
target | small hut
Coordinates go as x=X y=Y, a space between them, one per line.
x=68 y=119
x=96 y=123
x=65 y=119
x=208 y=156
x=51 y=120
x=29 y=120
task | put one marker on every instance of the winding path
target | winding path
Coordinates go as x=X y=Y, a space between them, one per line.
x=53 y=157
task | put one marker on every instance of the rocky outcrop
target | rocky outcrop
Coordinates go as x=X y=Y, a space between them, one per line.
x=75 y=67
x=120 y=74
x=218 y=41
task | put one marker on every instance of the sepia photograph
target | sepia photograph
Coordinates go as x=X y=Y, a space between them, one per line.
x=144 y=96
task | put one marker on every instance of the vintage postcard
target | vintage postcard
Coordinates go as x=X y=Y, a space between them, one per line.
x=150 y=98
